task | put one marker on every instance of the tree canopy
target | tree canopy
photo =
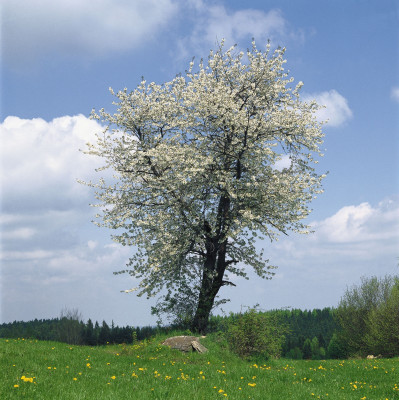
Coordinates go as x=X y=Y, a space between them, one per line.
x=204 y=165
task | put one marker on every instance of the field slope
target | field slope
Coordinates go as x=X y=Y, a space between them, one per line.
x=33 y=369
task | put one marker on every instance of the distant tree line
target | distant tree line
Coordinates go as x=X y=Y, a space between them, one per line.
x=303 y=327
x=76 y=332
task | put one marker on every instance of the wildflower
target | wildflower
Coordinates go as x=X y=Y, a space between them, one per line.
x=113 y=377
x=75 y=379
x=16 y=386
x=88 y=365
x=252 y=384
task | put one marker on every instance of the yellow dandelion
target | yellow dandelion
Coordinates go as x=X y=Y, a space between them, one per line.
x=113 y=377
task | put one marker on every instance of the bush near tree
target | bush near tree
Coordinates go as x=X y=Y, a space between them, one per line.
x=255 y=333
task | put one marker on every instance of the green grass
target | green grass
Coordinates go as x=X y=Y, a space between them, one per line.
x=151 y=371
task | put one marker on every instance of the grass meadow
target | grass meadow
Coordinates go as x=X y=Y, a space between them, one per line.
x=31 y=369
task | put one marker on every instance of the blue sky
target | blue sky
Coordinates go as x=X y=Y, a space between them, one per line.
x=59 y=59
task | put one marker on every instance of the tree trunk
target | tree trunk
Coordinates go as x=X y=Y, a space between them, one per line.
x=204 y=308
x=212 y=281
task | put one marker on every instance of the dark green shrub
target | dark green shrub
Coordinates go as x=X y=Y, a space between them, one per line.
x=307 y=349
x=337 y=348
x=253 y=334
x=295 y=354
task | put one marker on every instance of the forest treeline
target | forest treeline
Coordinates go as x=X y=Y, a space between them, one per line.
x=304 y=328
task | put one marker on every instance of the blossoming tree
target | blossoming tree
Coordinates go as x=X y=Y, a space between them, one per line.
x=199 y=172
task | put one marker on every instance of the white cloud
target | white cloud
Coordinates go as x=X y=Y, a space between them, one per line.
x=361 y=236
x=361 y=224
x=82 y=28
x=19 y=233
x=395 y=93
x=243 y=23
x=41 y=162
x=216 y=22
x=284 y=162
x=92 y=244
x=336 y=111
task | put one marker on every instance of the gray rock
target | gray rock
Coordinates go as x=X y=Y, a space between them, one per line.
x=185 y=343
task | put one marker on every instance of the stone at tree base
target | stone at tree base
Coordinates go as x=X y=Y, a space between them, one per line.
x=185 y=343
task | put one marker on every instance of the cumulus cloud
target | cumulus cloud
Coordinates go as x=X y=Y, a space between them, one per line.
x=395 y=94
x=43 y=206
x=82 y=28
x=41 y=162
x=336 y=110
x=362 y=223
x=363 y=236
x=215 y=22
